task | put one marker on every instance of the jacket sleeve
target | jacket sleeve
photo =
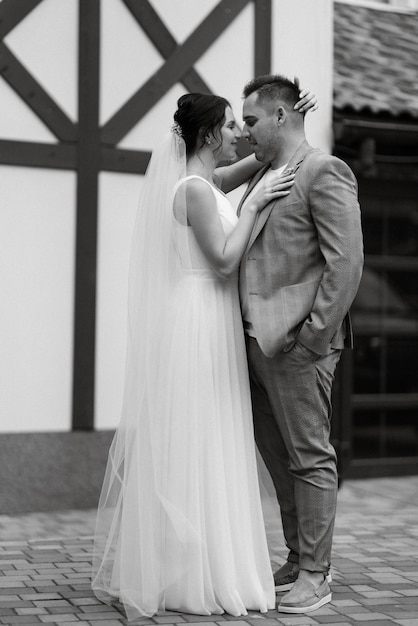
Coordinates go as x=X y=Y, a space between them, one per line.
x=336 y=216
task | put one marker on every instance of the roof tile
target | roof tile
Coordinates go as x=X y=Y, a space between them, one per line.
x=375 y=60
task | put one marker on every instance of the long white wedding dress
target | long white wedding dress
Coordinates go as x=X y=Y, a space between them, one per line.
x=180 y=525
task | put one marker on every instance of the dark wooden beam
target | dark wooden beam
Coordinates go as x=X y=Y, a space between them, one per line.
x=375 y=401
x=31 y=92
x=172 y=71
x=392 y=263
x=160 y=36
x=87 y=196
x=12 y=12
x=64 y=156
x=128 y=161
x=344 y=125
x=32 y=154
x=262 y=37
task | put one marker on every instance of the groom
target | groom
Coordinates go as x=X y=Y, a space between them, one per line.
x=298 y=278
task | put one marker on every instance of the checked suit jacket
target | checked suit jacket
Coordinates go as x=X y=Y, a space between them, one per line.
x=304 y=259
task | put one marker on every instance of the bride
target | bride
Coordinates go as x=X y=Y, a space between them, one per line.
x=179 y=524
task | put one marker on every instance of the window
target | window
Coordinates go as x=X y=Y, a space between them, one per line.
x=385 y=322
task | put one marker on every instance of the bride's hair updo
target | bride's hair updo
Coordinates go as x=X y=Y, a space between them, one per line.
x=198 y=115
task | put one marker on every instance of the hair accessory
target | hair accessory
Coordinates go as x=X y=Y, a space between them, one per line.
x=177 y=129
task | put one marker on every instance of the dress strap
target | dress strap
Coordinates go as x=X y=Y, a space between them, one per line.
x=182 y=180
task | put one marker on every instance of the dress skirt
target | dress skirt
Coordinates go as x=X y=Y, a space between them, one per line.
x=180 y=524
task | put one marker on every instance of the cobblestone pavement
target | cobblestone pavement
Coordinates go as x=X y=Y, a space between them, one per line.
x=45 y=566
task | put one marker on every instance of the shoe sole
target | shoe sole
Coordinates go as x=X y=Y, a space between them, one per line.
x=288 y=586
x=305 y=609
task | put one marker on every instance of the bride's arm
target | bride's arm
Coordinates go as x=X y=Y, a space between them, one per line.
x=229 y=177
x=224 y=252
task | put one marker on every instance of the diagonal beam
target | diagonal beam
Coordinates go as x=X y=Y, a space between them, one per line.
x=158 y=33
x=12 y=13
x=172 y=71
x=41 y=103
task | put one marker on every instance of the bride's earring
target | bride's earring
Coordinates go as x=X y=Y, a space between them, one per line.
x=207 y=141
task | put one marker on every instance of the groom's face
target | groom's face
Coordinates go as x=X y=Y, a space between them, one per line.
x=260 y=129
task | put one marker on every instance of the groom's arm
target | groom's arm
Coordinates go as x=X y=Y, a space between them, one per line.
x=229 y=177
x=336 y=215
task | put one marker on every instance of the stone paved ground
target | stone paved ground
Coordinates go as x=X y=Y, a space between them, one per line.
x=45 y=564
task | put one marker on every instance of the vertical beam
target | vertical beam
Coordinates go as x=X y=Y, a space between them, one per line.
x=262 y=37
x=88 y=164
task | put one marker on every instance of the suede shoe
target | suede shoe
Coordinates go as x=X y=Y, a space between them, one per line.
x=287 y=574
x=310 y=599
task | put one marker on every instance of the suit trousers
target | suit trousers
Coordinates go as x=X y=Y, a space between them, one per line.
x=291 y=396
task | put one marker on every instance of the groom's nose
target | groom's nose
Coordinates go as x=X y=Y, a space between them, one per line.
x=245 y=133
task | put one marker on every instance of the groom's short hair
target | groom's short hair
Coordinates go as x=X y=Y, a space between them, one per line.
x=273 y=87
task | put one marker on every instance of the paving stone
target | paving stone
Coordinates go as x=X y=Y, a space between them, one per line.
x=209 y=622
x=297 y=620
x=96 y=608
x=14 y=604
x=46 y=559
x=169 y=619
x=19 y=619
x=369 y=617
x=14 y=591
x=88 y=593
x=78 y=623
x=329 y=619
x=61 y=589
x=105 y=615
x=109 y=623
x=31 y=611
x=56 y=618
x=86 y=601
x=379 y=601
x=51 y=603
x=64 y=609
x=40 y=596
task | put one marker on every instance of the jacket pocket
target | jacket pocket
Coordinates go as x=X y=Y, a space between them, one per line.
x=297 y=302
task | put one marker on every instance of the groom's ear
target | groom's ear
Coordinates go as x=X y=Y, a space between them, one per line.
x=280 y=115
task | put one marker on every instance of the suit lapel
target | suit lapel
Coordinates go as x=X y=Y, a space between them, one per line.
x=251 y=186
x=294 y=162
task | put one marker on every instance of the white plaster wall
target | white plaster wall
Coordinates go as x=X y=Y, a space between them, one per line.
x=118 y=198
x=37 y=236
x=303 y=47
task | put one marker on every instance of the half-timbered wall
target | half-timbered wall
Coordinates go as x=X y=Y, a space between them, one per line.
x=86 y=88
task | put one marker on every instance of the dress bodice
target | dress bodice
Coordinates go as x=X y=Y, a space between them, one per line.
x=196 y=258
